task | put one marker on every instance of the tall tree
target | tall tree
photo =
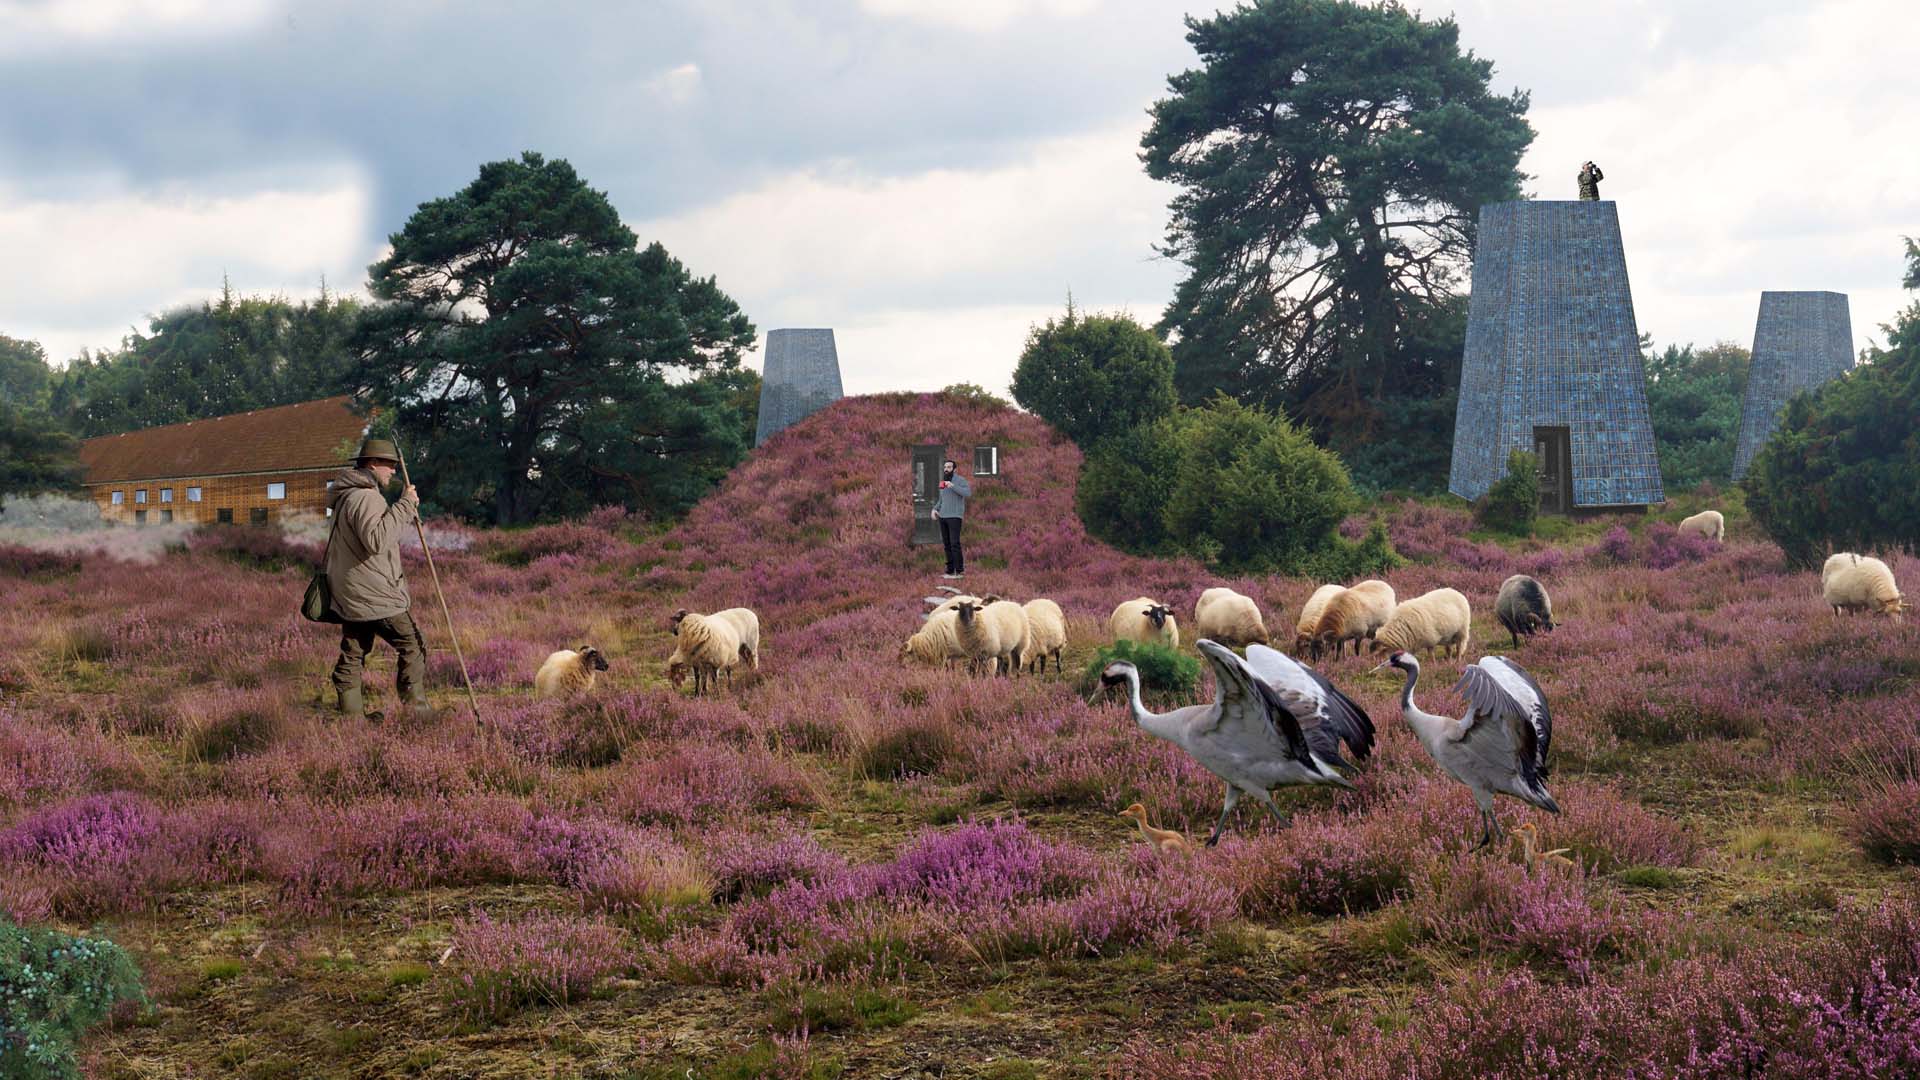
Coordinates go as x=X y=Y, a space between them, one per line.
x=1094 y=376
x=217 y=357
x=520 y=327
x=1693 y=399
x=35 y=455
x=25 y=378
x=1332 y=157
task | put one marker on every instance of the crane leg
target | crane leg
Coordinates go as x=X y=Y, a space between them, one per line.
x=1266 y=800
x=1233 y=800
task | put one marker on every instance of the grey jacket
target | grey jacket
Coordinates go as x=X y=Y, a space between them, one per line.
x=363 y=557
x=953 y=497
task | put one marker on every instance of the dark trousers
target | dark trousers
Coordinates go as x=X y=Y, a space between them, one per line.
x=950 y=536
x=356 y=641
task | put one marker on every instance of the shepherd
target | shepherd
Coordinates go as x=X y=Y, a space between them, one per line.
x=950 y=511
x=369 y=585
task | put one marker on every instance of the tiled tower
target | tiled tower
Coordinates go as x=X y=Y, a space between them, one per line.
x=801 y=377
x=1801 y=340
x=1553 y=353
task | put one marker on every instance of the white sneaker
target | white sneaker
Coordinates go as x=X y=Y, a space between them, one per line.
x=949 y=576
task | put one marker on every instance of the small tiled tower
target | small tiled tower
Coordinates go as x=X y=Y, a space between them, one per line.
x=1802 y=339
x=801 y=377
x=1553 y=360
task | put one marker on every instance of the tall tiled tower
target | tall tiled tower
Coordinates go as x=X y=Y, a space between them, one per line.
x=1801 y=340
x=801 y=377
x=1553 y=359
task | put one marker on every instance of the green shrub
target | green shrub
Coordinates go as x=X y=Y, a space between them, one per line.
x=1512 y=502
x=53 y=987
x=1125 y=484
x=1094 y=376
x=1164 y=672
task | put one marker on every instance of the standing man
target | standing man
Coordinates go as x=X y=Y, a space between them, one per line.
x=1590 y=177
x=369 y=587
x=950 y=512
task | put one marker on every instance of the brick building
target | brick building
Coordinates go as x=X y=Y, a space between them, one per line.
x=248 y=468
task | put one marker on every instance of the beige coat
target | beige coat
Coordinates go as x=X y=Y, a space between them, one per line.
x=363 y=558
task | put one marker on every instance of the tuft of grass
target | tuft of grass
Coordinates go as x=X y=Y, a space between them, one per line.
x=221 y=968
x=1648 y=877
x=815 y=1010
x=408 y=974
x=915 y=749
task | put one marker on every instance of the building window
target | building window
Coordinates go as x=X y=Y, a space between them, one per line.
x=193 y=494
x=257 y=516
x=119 y=497
x=139 y=517
x=986 y=461
x=166 y=495
x=140 y=497
x=224 y=515
x=166 y=517
x=276 y=491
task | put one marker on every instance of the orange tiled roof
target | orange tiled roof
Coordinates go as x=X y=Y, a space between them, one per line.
x=308 y=435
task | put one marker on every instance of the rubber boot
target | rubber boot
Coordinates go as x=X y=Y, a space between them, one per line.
x=352 y=702
x=419 y=707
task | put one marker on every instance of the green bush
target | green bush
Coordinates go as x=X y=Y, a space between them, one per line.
x=1094 y=376
x=1511 y=504
x=1164 y=672
x=1345 y=559
x=53 y=987
x=1236 y=486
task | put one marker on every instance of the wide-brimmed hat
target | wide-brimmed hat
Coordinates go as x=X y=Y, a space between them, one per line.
x=378 y=450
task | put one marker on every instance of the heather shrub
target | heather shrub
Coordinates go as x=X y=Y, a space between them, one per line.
x=1607 y=832
x=744 y=864
x=976 y=865
x=25 y=562
x=267 y=550
x=1164 y=671
x=1319 y=866
x=1477 y=904
x=907 y=750
x=550 y=960
x=90 y=847
x=235 y=725
x=522 y=547
x=1510 y=505
x=53 y=988
x=1885 y=822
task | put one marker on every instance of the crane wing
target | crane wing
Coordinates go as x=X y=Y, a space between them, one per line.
x=1246 y=709
x=1326 y=716
x=1502 y=690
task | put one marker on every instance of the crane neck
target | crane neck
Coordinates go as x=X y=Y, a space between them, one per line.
x=1152 y=722
x=1426 y=726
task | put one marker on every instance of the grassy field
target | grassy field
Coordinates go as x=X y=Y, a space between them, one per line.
x=844 y=866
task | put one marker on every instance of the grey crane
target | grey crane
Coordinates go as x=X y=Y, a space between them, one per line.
x=1500 y=746
x=1273 y=722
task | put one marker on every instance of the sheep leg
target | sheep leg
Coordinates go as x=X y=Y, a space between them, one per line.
x=1233 y=800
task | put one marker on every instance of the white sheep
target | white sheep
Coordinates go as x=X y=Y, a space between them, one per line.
x=1865 y=584
x=1142 y=619
x=1439 y=620
x=1708 y=523
x=707 y=644
x=1353 y=615
x=1834 y=562
x=993 y=633
x=1047 y=625
x=746 y=626
x=569 y=671
x=1309 y=621
x=1229 y=618
x=936 y=642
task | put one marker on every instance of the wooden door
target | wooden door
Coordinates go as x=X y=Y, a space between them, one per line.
x=927 y=459
x=1552 y=445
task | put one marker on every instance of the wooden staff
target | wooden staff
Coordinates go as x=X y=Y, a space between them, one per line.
x=472 y=699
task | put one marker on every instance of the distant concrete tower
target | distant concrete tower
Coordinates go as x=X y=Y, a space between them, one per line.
x=1802 y=339
x=1553 y=360
x=801 y=377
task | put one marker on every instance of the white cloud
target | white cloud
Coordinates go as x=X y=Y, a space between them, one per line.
x=676 y=86
x=83 y=269
x=38 y=24
x=978 y=15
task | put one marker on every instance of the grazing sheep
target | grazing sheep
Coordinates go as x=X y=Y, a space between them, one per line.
x=1309 y=621
x=1708 y=523
x=995 y=633
x=1354 y=614
x=1834 y=562
x=746 y=626
x=569 y=671
x=1866 y=584
x=1523 y=607
x=936 y=642
x=1228 y=618
x=1145 y=620
x=1048 y=626
x=1439 y=620
x=709 y=645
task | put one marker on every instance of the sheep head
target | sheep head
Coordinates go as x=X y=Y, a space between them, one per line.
x=673 y=623
x=592 y=658
x=1157 y=615
x=966 y=609
x=1530 y=623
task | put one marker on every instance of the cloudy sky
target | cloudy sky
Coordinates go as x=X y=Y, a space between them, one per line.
x=927 y=177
